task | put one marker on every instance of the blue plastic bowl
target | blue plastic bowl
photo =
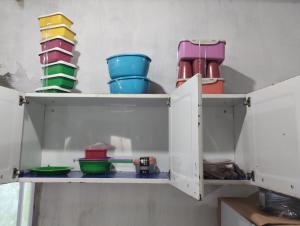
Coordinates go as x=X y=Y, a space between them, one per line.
x=129 y=85
x=123 y=65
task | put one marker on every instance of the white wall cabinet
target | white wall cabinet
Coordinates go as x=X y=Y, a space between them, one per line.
x=259 y=131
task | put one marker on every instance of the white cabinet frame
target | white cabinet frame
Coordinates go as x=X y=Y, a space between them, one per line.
x=187 y=177
x=270 y=131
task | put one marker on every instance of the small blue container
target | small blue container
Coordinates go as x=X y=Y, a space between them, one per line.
x=129 y=85
x=123 y=65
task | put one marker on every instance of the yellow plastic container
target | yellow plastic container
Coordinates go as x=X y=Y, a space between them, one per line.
x=62 y=30
x=54 y=19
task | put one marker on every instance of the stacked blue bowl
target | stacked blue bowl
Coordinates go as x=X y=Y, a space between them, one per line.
x=128 y=73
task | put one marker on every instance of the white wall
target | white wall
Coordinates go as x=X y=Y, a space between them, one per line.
x=262 y=48
x=262 y=38
x=127 y=205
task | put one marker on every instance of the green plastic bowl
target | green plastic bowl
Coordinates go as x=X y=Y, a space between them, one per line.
x=88 y=166
x=61 y=80
x=59 y=67
x=52 y=89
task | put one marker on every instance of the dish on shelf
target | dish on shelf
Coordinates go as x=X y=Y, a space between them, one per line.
x=51 y=170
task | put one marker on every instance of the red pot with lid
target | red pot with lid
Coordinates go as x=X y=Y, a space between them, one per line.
x=97 y=151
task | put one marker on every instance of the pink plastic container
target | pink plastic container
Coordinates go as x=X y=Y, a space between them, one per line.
x=209 y=50
x=57 y=42
x=55 y=54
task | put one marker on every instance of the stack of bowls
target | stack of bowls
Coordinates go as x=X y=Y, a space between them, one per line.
x=57 y=45
x=128 y=73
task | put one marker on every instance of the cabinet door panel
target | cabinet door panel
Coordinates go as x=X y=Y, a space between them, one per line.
x=11 y=123
x=185 y=141
x=275 y=119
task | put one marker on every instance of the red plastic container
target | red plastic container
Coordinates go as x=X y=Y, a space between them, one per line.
x=213 y=85
x=185 y=70
x=199 y=67
x=213 y=70
x=54 y=55
x=57 y=42
x=179 y=82
x=95 y=153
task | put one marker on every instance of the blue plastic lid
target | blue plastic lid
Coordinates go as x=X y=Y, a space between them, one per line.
x=129 y=54
x=128 y=77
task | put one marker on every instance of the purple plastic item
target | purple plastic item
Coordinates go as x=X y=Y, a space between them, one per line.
x=59 y=42
x=209 y=50
x=55 y=54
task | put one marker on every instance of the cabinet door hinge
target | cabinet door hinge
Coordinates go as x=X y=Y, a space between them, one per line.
x=251 y=175
x=169 y=102
x=247 y=102
x=16 y=173
x=23 y=100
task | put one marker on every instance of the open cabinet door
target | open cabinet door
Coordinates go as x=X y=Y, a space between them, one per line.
x=185 y=138
x=11 y=123
x=275 y=123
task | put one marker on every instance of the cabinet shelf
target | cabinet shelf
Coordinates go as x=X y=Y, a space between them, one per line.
x=117 y=177
x=79 y=98
x=226 y=182
x=223 y=99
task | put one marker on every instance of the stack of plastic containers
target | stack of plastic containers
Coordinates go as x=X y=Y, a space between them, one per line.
x=202 y=57
x=57 y=45
x=128 y=73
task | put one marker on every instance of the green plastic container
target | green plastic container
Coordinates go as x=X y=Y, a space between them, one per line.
x=52 y=89
x=61 y=80
x=51 y=170
x=94 y=166
x=59 y=67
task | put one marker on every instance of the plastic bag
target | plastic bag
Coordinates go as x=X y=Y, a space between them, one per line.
x=223 y=170
x=278 y=204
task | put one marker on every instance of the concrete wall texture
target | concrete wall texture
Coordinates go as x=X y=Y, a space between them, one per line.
x=262 y=38
x=262 y=48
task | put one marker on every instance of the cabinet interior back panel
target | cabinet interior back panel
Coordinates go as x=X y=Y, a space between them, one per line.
x=218 y=132
x=133 y=130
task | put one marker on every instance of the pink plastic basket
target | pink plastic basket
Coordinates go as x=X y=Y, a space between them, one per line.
x=210 y=50
x=54 y=55
x=59 y=42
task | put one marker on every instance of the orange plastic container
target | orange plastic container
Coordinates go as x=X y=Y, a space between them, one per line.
x=179 y=82
x=212 y=85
